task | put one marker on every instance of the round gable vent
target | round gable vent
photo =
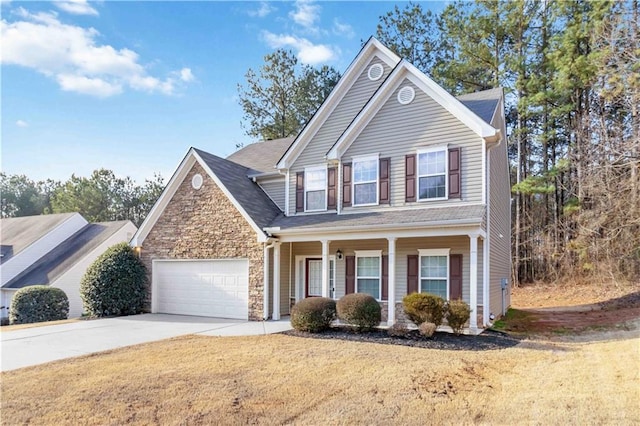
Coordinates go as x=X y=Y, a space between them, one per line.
x=375 y=72
x=406 y=95
x=196 y=181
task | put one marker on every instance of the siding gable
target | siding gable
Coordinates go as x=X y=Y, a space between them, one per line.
x=398 y=130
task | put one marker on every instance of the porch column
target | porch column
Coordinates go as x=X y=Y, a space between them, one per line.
x=391 y=310
x=473 y=280
x=265 y=304
x=276 y=282
x=325 y=268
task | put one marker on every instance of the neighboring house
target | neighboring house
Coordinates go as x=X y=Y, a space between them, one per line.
x=54 y=250
x=394 y=186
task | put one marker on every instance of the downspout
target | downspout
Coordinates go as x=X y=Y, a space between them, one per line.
x=265 y=302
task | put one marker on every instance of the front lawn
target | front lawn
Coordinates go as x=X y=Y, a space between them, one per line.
x=281 y=379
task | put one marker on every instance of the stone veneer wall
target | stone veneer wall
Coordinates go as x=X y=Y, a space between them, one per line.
x=401 y=317
x=204 y=224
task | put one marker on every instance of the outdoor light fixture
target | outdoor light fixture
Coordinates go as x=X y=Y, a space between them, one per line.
x=339 y=254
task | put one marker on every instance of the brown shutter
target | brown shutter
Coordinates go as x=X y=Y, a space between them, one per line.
x=350 y=275
x=410 y=178
x=454 y=173
x=300 y=191
x=413 y=270
x=455 y=276
x=385 y=277
x=384 y=180
x=331 y=188
x=346 y=185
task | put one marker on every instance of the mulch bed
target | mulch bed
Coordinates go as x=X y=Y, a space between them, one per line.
x=488 y=340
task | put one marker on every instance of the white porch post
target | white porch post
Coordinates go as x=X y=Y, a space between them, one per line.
x=473 y=281
x=265 y=313
x=391 y=303
x=276 y=282
x=325 y=268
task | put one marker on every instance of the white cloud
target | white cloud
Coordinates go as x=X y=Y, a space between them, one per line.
x=76 y=7
x=70 y=55
x=186 y=75
x=306 y=14
x=264 y=10
x=343 y=29
x=307 y=52
x=22 y=123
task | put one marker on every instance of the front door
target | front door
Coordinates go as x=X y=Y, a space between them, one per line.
x=313 y=280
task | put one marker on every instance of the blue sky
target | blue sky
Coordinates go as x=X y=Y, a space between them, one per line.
x=130 y=86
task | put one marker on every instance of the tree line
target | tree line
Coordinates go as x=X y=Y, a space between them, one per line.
x=571 y=74
x=101 y=197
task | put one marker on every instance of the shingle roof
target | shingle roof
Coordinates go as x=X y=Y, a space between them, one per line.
x=18 y=233
x=261 y=157
x=251 y=197
x=484 y=103
x=400 y=217
x=55 y=263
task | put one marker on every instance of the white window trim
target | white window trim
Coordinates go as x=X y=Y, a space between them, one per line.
x=354 y=160
x=444 y=148
x=433 y=252
x=370 y=253
x=306 y=189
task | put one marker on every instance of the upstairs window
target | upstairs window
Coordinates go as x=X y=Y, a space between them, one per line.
x=315 y=189
x=365 y=181
x=432 y=174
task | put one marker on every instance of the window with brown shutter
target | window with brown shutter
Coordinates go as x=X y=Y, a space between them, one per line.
x=413 y=273
x=331 y=188
x=346 y=185
x=455 y=276
x=350 y=274
x=300 y=192
x=384 y=180
x=410 y=178
x=455 y=191
x=385 y=277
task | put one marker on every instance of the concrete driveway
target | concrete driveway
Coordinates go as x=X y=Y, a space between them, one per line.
x=37 y=345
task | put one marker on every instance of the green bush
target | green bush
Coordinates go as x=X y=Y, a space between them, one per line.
x=424 y=307
x=38 y=303
x=313 y=314
x=360 y=310
x=115 y=283
x=458 y=313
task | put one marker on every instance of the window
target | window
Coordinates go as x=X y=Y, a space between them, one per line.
x=315 y=191
x=365 y=181
x=432 y=174
x=368 y=273
x=434 y=272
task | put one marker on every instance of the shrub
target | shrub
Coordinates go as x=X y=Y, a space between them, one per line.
x=398 y=329
x=427 y=329
x=115 y=283
x=458 y=313
x=424 y=307
x=313 y=314
x=38 y=303
x=360 y=310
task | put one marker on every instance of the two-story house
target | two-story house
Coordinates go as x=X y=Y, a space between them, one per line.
x=394 y=186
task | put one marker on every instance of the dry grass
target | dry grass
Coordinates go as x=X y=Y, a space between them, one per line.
x=280 y=379
x=36 y=324
x=569 y=293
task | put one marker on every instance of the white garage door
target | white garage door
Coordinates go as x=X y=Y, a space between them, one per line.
x=209 y=288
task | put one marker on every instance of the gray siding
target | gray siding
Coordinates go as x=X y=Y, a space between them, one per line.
x=274 y=188
x=499 y=223
x=336 y=123
x=398 y=130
